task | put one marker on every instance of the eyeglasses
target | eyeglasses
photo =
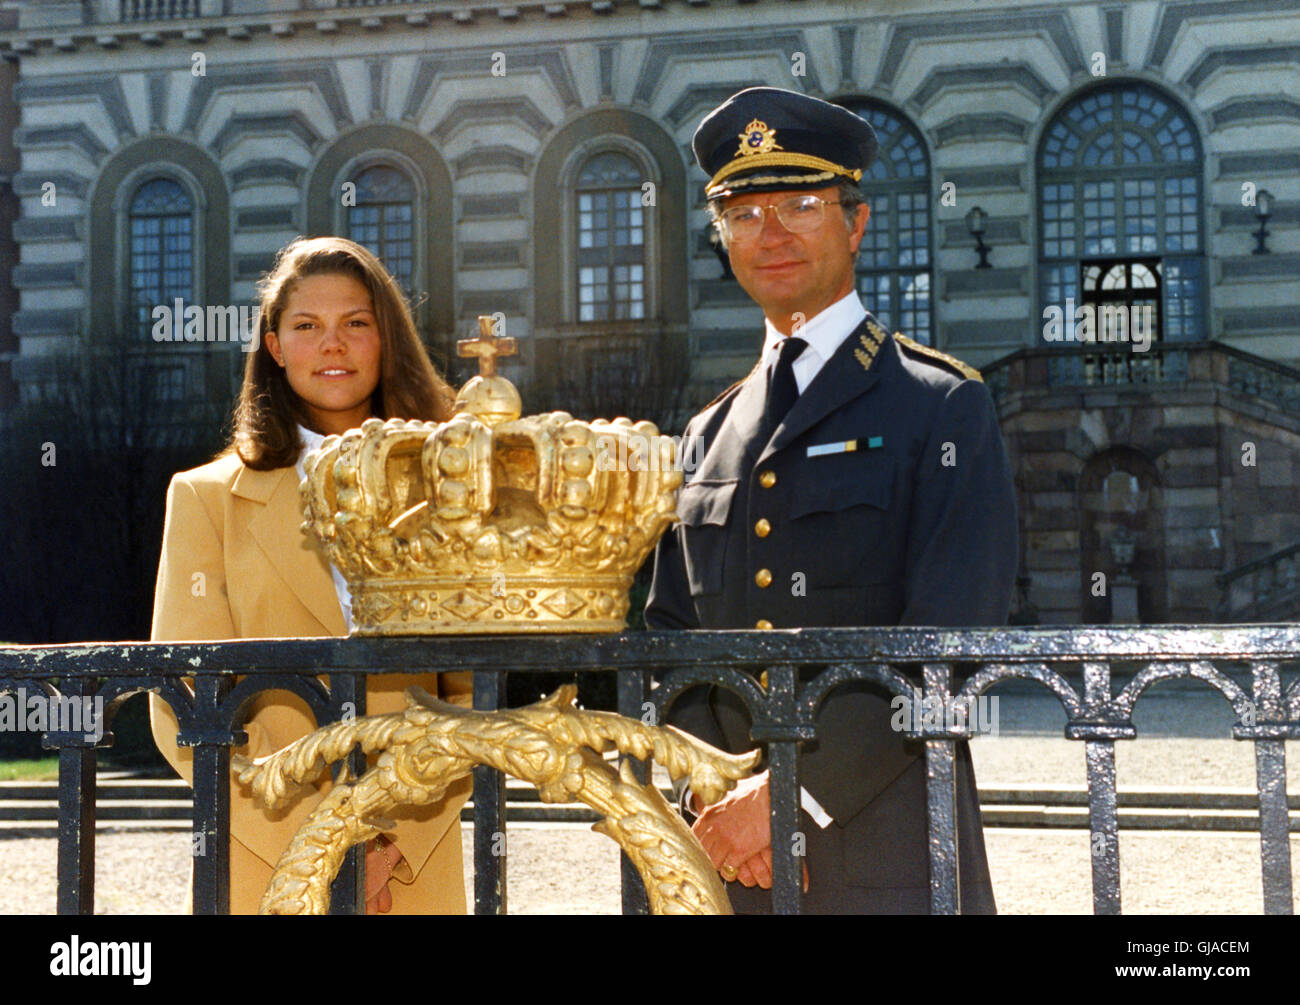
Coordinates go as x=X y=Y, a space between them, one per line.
x=800 y=214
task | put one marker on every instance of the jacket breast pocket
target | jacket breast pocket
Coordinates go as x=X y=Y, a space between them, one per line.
x=703 y=509
x=846 y=525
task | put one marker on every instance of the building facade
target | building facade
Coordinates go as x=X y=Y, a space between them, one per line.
x=1040 y=163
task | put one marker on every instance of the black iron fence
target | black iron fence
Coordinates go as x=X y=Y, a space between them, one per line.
x=1097 y=674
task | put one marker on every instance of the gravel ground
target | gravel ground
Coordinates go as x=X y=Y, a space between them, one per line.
x=567 y=869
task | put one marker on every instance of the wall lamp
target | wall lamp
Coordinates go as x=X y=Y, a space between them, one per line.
x=1263 y=210
x=976 y=221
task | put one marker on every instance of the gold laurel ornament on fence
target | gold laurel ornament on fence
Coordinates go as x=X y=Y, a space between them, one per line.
x=551 y=744
x=493 y=523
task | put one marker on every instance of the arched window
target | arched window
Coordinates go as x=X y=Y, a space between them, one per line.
x=160 y=232
x=611 y=239
x=894 y=262
x=161 y=235
x=1119 y=186
x=383 y=219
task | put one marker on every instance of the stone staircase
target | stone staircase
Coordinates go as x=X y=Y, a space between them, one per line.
x=124 y=801
x=1266 y=590
x=136 y=802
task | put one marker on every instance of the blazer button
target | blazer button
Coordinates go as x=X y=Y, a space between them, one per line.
x=763 y=577
x=766 y=626
x=762 y=528
x=767 y=479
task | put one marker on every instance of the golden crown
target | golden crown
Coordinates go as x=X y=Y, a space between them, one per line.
x=489 y=522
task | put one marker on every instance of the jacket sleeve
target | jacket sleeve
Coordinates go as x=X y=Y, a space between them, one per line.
x=669 y=604
x=191 y=604
x=669 y=607
x=962 y=543
x=961 y=558
x=190 y=601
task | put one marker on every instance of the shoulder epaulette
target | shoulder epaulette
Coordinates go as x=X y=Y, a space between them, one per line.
x=935 y=356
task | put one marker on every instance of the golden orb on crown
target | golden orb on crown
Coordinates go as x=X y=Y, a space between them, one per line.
x=490 y=522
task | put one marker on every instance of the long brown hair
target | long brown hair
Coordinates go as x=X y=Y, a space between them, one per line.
x=265 y=433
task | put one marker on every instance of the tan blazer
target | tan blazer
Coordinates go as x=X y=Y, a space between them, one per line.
x=235 y=565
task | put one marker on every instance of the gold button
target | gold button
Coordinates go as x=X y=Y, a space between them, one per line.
x=762 y=528
x=763 y=577
x=766 y=626
x=767 y=479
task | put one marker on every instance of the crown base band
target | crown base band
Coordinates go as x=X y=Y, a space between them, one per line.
x=482 y=605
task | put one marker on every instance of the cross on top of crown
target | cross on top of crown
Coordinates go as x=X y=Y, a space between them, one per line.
x=486 y=346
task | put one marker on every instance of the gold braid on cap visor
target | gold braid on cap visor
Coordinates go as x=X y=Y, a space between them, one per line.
x=782 y=159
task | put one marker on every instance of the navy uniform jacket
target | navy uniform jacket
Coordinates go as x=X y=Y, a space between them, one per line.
x=916 y=526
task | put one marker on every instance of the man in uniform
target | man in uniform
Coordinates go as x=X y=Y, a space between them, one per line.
x=853 y=478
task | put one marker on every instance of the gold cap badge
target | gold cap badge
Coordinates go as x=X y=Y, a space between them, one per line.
x=757 y=139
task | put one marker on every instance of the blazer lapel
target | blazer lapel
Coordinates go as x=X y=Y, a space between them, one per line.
x=855 y=366
x=300 y=562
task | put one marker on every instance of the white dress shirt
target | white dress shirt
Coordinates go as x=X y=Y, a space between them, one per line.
x=824 y=333
x=311 y=440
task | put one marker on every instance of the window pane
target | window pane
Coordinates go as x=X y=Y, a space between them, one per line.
x=1123 y=212
x=610 y=239
x=609 y=170
x=1140 y=215
x=895 y=257
x=1099 y=218
x=1182 y=215
x=1182 y=306
x=915 y=305
x=383 y=219
x=874 y=289
x=1059 y=284
x=161 y=253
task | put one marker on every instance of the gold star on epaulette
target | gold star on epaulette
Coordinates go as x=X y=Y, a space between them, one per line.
x=964 y=369
x=867 y=354
x=871 y=343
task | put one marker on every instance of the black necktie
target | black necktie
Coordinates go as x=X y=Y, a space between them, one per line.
x=782 y=391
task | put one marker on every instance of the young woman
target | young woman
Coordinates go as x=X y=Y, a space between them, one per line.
x=337 y=345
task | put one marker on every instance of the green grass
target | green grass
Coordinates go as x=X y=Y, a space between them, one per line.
x=40 y=770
